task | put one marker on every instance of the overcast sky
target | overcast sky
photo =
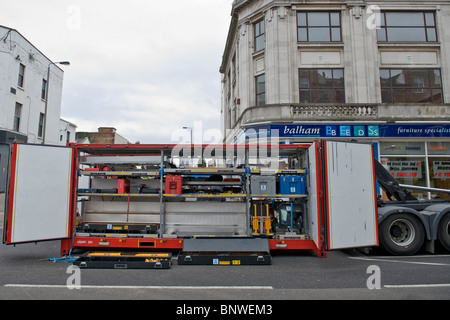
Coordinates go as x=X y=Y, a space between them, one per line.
x=145 y=67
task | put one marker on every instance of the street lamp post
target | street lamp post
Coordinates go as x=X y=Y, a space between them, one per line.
x=190 y=129
x=65 y=63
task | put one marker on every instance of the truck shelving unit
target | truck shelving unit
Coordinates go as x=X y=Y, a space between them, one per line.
x=203 y=203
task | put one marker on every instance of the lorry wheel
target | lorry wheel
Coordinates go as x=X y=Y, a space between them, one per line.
x=401 y=234
x=443 y=231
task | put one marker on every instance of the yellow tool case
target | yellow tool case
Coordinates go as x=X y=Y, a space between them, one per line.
x=124 y=260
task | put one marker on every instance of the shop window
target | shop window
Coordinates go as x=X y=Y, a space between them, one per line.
x=408 y=170
x=420 y=164
x=439 y=148
x=406 y=162
x=440 y=175
x=402 y=148
x=439 y=166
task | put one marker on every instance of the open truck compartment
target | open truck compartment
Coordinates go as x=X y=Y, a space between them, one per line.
x=314 y=197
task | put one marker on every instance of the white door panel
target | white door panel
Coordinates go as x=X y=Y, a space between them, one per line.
x=351 y=195
x=41 y=179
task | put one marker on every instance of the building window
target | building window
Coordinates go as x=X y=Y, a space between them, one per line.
x=425 y=164
x=439 y=166
x=259 y=36
x=20 y=81
x=233 y=67
x=44 y=89
x=41 y=125
x=234 y=114
x=319 y=27
x=411 y=86
x=229 y=83
x=405 y=161
x=261 y=90
x=322 y=86
x=17 y=114
x=407 y=26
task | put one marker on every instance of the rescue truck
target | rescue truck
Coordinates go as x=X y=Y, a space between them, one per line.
x=239 y=204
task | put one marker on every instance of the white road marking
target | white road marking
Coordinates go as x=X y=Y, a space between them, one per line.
x=409 y=286
x=144 y=287
x=401 y=261
x=405 y=286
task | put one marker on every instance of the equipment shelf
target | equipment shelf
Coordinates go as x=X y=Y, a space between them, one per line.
x=140 y=160
x=119 y=173
x=153 y=195
x=148 y=195
x=211 y=183
x=279 y=171
x=222 y=195
x=279 y=196
x=208 y=171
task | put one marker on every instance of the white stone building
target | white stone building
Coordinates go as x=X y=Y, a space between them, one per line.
x=30 y=98
x=24 y=83
x=372 y=71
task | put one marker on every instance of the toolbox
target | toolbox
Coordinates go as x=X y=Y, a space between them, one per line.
x=173 y=185
x=292 y=185
x=89 y=190
x=124 y=260
x=225 y=252
x=123 y=186
x=263 y=185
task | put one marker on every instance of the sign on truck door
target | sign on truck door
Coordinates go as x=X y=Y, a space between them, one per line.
x=39 y=194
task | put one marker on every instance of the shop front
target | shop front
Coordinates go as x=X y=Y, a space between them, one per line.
x=414 y=153
x=425 y=164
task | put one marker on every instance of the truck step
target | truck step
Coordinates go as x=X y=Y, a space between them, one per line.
x=225 y=251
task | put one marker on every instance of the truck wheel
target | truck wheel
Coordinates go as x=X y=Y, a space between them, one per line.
x=443 y=231
x=401 y=234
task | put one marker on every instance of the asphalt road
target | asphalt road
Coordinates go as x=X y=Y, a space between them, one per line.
x=27 y=273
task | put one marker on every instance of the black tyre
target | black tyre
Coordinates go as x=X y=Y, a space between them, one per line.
x=401 y=234
x=443 y=231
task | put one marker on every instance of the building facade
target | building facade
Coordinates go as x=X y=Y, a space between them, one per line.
x=371 y=71
x=26 y=75
x=105 y=135
x=30 y=98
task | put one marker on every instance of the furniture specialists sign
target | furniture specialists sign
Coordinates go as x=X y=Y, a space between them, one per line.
x=350 y=131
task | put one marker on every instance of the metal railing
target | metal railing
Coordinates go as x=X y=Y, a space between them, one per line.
x=335 y=111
